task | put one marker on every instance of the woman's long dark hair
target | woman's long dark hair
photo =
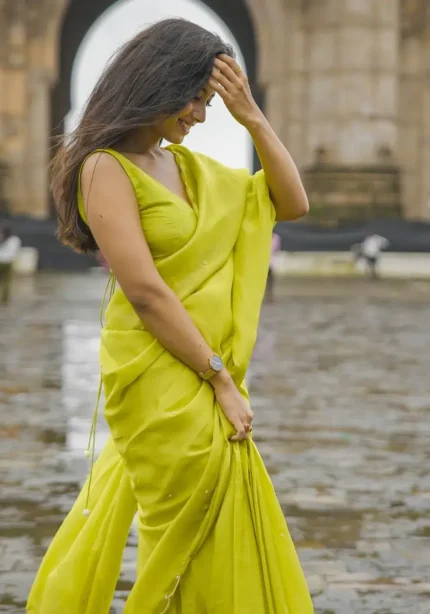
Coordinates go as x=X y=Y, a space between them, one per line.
x=156 y=73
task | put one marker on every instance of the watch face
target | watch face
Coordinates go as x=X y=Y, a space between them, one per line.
x=216 y=363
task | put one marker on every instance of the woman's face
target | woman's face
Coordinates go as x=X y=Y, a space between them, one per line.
x=175 y=128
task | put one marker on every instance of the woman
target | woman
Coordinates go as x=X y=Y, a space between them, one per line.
x=188 y=241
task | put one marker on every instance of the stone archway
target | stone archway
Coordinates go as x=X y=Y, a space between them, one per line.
x=38 y=47
x=334 y=108
x=80 y=15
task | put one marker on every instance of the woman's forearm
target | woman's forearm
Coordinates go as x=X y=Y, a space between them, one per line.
x=286 y=188
x=167 y=319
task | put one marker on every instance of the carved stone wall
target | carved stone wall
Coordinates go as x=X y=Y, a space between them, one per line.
x=346 y=85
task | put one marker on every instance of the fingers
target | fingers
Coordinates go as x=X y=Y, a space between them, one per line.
x=243 y=428
x=241 y=433
x=222 y=80
x=217 y=87
x=226 y=71
x=226 y=77
x=231 y=62
x=240 y=436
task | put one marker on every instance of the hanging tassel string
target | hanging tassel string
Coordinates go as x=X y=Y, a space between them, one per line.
x=90 y=451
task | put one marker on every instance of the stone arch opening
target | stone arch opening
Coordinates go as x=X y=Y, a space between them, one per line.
x=79 y=17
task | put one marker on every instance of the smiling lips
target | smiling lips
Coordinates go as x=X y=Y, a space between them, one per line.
x=185 y=126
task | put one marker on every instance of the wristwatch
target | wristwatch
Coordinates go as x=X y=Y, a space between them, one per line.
x=215 y=366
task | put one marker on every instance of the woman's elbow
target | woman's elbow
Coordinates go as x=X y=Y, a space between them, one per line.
x=294 y=210
x=146 y=298
x=303 y=207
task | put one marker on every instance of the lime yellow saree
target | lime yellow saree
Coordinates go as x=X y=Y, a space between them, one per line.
x=212 y=536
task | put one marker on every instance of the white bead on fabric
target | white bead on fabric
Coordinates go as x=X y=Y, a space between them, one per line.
x=91 y=447
x=169 y=597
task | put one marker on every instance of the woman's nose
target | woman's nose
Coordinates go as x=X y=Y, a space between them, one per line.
x=199 y=114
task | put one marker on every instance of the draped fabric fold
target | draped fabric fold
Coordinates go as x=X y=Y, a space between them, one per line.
x=80 y=570
x=212 y=536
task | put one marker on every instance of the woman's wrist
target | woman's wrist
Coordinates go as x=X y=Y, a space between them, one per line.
x=255 y=122
x=222 y=379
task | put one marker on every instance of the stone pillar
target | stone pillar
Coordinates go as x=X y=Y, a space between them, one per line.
x=27 y=68
x=13 y=103
x=414 y=108
x=351 y=64
x=273 y=29
x=425 y=160
x=38 y=139
x=41 y=69
x=293 y=95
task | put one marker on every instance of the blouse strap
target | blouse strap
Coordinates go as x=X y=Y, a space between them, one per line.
x=127 y=165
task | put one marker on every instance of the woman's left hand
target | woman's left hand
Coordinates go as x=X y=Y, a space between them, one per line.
x=231 y=83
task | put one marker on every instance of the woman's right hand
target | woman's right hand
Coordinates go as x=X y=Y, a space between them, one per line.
x=233 y=405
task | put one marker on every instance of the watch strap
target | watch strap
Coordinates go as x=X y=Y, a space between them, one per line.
x=207 y=375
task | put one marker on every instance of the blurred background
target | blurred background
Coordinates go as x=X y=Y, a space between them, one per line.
x=340 y=376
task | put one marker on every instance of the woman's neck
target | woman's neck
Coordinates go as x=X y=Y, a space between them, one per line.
x=144 y=142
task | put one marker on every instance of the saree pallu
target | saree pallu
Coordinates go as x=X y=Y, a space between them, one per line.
x=212 y=536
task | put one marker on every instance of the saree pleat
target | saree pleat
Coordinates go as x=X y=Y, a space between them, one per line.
x=212 y=536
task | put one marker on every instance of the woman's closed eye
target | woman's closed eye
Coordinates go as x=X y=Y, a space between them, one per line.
x=208 y=103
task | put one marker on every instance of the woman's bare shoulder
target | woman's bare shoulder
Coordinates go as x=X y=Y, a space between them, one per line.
x=105 y=180
x=101 y=161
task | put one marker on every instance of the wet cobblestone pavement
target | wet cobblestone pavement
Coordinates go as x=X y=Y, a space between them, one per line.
x=341 y=389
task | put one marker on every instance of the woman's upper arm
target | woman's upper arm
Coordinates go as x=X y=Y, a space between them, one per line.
x=113 y=217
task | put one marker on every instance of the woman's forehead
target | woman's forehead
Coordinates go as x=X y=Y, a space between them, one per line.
x=208 y=90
